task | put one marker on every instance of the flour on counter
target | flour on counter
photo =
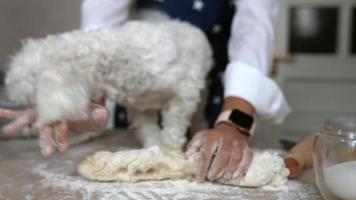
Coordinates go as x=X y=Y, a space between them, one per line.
x=267 y=170
x=76 y=187
x=25 y=174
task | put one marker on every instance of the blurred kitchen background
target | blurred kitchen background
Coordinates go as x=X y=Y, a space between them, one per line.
x=315 y=59
x=317 y=63
x=21 y=19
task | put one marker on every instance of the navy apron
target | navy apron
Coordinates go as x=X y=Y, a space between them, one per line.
x=214 y=17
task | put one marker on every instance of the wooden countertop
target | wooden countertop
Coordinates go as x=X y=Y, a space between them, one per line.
x=24 y=174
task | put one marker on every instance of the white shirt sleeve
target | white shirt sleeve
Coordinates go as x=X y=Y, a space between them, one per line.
x=104 y=13
x=250 y=49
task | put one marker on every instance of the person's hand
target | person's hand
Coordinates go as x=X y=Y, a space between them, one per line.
x=223 y=153
x=55 y=134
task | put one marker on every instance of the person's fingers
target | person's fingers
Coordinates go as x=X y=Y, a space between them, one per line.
x=99 y=116
x=10 y=114
x=19 y=124
x=61 y=135
x=244 y=164
x=221 y=160
x=235 y=158
x=46 y=140
x=205 y=158
x=13 y=127
x=195 y=144
x=98 y=119
x=100 y=104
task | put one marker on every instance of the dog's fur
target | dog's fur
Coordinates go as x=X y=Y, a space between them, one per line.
x=147 y=67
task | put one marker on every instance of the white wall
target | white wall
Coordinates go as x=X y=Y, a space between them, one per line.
x=21 y=19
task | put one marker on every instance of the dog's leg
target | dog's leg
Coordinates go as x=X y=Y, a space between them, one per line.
x=146 y=126
x=176 y=118
x=199 y=121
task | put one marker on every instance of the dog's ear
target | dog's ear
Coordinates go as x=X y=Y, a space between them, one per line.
x=62 y=94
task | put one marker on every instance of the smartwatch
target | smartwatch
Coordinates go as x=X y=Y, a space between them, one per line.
x=238 y=119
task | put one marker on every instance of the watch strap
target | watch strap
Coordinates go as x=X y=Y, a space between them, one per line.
x=238 y=119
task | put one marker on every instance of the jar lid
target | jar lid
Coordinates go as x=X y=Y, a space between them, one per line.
x=343 y=123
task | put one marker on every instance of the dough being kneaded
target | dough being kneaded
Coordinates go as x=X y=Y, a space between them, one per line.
x=266 y=170
x=136 y=165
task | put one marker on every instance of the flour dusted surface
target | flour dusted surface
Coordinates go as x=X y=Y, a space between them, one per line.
x=25 y=175
x=267 y=170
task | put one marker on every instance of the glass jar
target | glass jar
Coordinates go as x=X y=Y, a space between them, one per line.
x=334 y=159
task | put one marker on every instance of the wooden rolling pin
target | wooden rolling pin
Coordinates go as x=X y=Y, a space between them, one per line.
x=300 y=156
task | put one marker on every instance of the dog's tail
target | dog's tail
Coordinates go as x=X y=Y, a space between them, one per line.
x=61 y=94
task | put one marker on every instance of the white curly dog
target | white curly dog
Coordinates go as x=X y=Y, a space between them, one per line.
x=153 y=69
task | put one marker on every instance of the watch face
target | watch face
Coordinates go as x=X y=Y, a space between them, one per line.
x=241 y=119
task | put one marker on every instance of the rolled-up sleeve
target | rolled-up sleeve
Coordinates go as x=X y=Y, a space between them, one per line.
x=104 y=13
x=251 y=47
